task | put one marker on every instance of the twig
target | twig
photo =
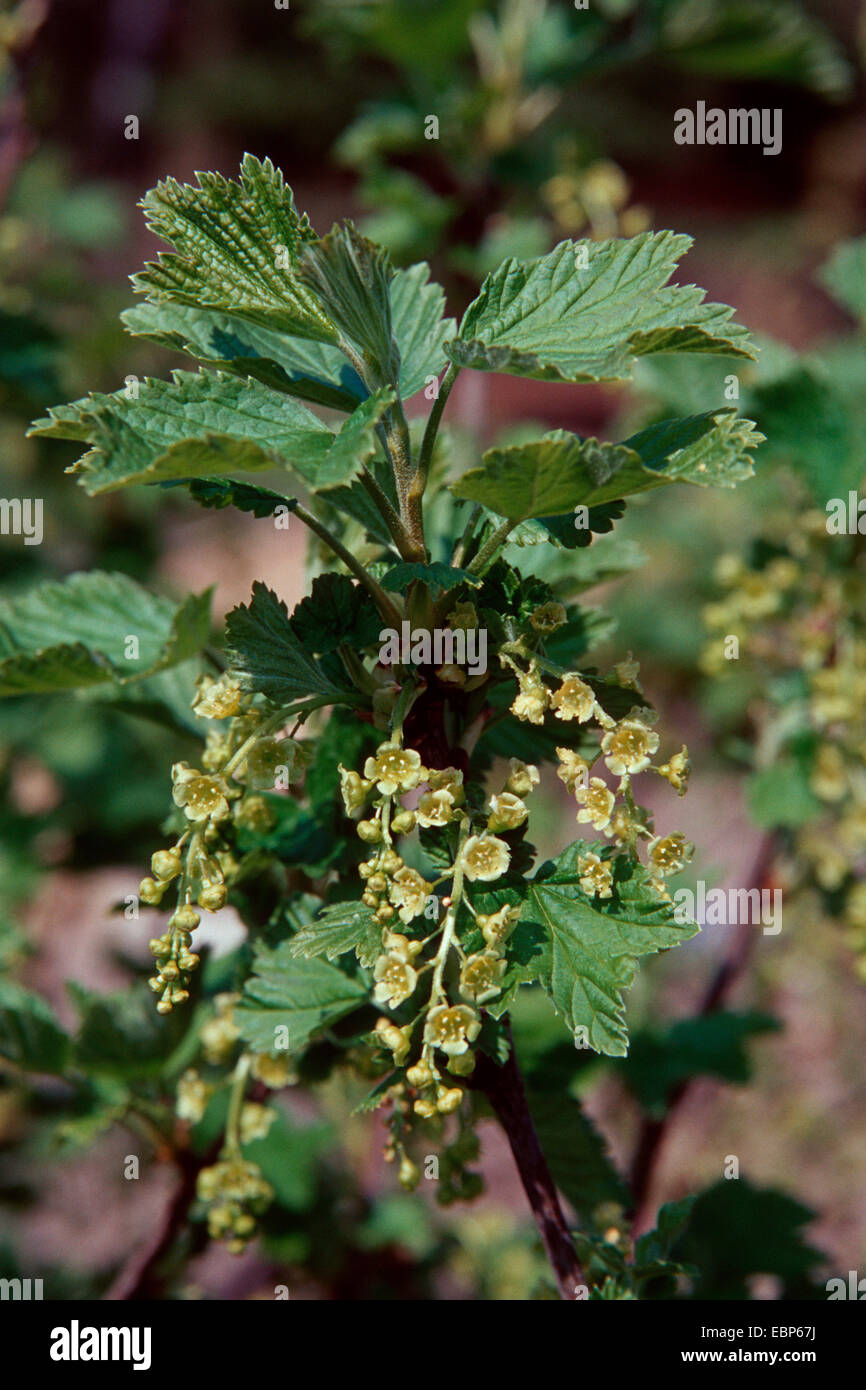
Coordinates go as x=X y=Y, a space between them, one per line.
x=141 y=1277
x=503 y=1087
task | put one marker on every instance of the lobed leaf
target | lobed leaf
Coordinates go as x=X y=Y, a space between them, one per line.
x=75 y=634
x=208 y=424
x=592 y=946
x=302 y=996
x=557 y=320
x=269 y=657
x=555 y=474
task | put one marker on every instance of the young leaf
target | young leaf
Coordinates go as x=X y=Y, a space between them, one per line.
x=575 y=1151
x=437 y=576
x=301 y=996
x=268 y=656
x=78 y=633
x=351 y=278
x=593 y=945
x=237 y=249
x=123 y=1034
x=229 y=492
x=314 y=371
x=844 y=275
x=207 y=424
x=339 y=928
x=555 y=474
x=30 y=1035
x=335 y=611
x=558 y=319
x=712 y=1045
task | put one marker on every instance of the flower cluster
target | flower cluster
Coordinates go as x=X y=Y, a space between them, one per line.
x=797 y=627
x=435 y=1046
x=241 y=759
x=234 y=1193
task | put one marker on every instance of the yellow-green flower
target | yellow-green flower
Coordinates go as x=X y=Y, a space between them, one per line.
x=596 y=876
x=668 y=854
x=485 y=857
x=628 y=747
x=192 y=1096
x=572 y=768
x=677 y=770
x=408 y=892
x=481 y=976
x=256 y=1120
x=451 y=1028
x=507 y=812
x=596 y=802
x=574 y=699
x=548 y=617
x=435 y=808
x=218 y=699
x=202 y=797
x=449 y=779
x=394 y=769
x=395 y=981
x=522 y=777
x=496 y=927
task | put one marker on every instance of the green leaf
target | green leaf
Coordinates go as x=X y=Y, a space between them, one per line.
x=237 y=248
x=712 y=1045
x=575 y=1151
x=782 y=796
x=437 y=576
x=314 y=371
x=302 y=996
x=342 y=927
x=351 y=278
x=593 y=945
x=553 y=320
x=737 y=1230
x=336 y=610
x=289 y=1157
x=229 y=492
x=810 y=426
x=202 y=424
x=268 y=656
x=844 y=275
x=123 y=1034
x=296 y=838
x=30 y=1035
x=562 y=471
x=75 y=634
x=417 y=305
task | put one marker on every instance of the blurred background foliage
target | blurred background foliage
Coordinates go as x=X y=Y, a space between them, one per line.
x=462 y=131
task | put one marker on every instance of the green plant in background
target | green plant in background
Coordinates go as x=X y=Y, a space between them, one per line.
x=361 y=790
x=787 y=626
x=494 y=139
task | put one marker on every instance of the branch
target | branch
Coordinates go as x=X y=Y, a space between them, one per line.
x=419 y=481
x=141 y=1277
x=385 y=605
x=503 y=1087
